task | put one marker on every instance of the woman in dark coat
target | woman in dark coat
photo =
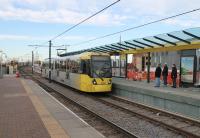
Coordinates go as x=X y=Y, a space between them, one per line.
x=157 y=75
x=174 y=75
x=165 y=74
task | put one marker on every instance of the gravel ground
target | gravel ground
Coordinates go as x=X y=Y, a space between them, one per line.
x=130 y=122
x=95 y=122
x=172 y=121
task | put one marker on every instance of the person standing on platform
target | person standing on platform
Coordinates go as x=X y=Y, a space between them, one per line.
x=157 y=75
x=174 y=75
x=165 y=74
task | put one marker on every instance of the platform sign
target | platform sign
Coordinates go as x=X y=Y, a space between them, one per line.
x=187 y=69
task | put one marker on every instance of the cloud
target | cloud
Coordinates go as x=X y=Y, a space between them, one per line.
x=13 y=37
x=149 y=10
x=125 y=12
x=184 y=23
x=55 y=12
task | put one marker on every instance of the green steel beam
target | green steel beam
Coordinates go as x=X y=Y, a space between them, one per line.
x=133 y=44
x=143 y=43
x=153 y=42
x=178 y=38
x=164 y=40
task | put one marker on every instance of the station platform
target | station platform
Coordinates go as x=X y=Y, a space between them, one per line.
x=26 y=110
x=184 y=101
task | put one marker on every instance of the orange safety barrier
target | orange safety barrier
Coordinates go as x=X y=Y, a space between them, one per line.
x=137 y=75
x=132 y=75
x=143 y=76
x=17 y=74
x=152 y=76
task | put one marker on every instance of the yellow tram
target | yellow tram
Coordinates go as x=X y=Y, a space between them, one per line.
x=87 y=72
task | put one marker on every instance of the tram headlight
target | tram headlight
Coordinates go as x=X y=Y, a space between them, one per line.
x=110 y=81
x=94 y=82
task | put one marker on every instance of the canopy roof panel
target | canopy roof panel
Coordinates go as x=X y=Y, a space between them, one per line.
x=173 y=39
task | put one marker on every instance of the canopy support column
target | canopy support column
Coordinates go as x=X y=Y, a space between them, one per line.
x=126 y=68
x=148 y=68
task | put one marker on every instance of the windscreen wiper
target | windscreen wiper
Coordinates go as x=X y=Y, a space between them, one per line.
x=98 y=75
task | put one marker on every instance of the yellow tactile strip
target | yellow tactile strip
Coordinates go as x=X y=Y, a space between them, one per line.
x=52 y=126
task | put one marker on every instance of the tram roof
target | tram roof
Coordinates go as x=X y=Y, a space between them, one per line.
x=177 y=40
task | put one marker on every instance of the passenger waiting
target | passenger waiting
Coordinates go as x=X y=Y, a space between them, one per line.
x=174 y=75
x=165 y=74
x=157 y=75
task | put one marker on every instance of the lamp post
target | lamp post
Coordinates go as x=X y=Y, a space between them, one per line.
x=50 y=44
x=32 y=62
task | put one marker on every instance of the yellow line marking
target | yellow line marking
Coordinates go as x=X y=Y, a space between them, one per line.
x=52 y=126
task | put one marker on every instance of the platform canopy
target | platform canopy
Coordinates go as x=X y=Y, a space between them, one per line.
x=178 y=40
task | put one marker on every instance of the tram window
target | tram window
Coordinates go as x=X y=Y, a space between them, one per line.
x=85 y=67
x=68 y=64
x=88 y=67
x=56 y=64
x=43 y=65
x=62 y=65
x=75 y=67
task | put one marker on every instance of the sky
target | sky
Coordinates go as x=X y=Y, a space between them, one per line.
x=35 y=22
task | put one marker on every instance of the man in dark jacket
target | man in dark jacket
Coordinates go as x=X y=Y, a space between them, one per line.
x=165 y=74
x=174 y=75
x=157 y=75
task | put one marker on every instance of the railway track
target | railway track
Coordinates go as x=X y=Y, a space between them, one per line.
x=127 y=112
x=185 y=126
x=120 y=131
x=122 y=119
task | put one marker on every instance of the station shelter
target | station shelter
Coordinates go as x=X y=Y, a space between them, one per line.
x=181 y=48
x=137 y=59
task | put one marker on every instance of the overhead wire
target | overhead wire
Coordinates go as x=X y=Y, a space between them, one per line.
x=83 y=20
x=135 y=27
x=72 y=27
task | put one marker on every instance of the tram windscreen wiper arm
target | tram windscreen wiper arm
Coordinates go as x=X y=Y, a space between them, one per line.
x=98 y=75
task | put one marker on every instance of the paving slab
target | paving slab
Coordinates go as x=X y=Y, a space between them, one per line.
x=28 y=111
x=18 y=117
x=74 y=126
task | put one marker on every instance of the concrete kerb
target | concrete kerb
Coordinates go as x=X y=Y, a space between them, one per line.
x=187 y=106
x=157 y=93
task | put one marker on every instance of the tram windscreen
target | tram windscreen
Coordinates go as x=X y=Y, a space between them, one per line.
x=101 y=67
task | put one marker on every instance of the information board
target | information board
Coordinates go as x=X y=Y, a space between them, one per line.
x=187 y=69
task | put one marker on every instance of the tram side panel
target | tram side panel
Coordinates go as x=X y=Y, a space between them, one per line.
x=45 y=73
